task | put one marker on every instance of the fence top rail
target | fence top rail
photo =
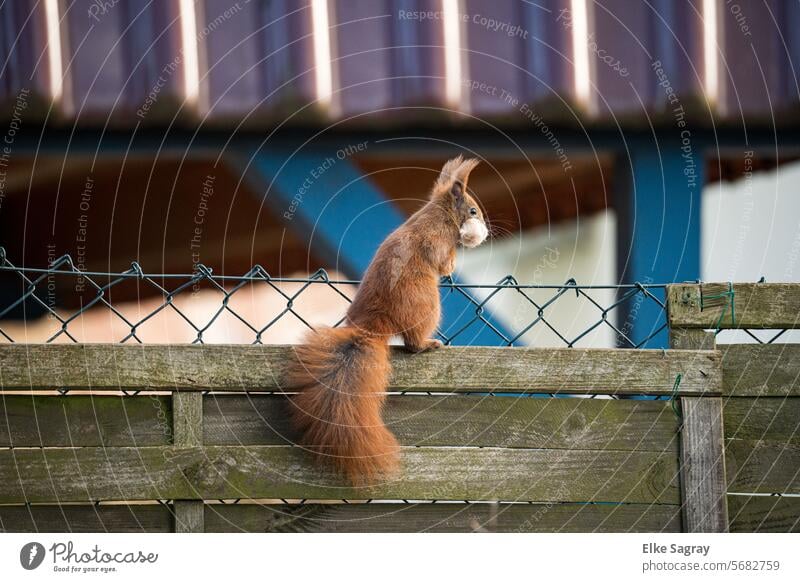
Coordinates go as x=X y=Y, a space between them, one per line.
x=258 y=368
x=734 y=305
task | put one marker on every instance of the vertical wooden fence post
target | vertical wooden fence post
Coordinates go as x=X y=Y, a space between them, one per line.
x=703 y=486
x=187 y=430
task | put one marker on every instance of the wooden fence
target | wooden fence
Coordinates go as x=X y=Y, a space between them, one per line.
x=760 y=403
x=203 y=445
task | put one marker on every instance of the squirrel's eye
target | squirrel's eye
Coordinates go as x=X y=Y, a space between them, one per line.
x=473 y=211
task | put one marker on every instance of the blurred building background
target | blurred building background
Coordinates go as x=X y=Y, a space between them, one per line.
x=622 y=142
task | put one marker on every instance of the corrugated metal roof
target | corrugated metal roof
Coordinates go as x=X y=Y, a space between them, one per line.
x=129 y=62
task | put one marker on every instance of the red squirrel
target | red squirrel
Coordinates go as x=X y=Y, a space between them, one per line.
x=341 y=374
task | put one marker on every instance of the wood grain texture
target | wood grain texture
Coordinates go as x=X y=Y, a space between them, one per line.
x=151 y=518
x=703 y=466
x=256 y=368
x=762 y=419
x=187 y=414
x=692 y=339
x=702 y=449
x=760 y=369
x=275 y=472
x=189 y=516
x=757 y=306
x=85 y=421
x=454 y=518
x=762 y=466
x=751 y=513
x=468 y=420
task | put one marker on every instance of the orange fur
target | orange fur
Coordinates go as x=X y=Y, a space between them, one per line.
x=341 y=375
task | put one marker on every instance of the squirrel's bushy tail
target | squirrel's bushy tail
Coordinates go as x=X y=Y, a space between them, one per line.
x=341 y=376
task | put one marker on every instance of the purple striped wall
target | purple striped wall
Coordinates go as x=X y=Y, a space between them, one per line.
x=23 y=64
x=628 y=43
x=757 y=70
x=124 y=64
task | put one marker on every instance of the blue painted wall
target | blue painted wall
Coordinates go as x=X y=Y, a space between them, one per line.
x=659 y=191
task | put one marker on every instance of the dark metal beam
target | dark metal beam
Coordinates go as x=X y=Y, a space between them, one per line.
x=432 y=141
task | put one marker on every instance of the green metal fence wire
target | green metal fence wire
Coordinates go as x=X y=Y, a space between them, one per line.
x=32 y=301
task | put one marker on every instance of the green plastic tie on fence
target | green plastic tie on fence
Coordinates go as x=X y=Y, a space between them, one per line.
x=674 y=396
x=730 y=294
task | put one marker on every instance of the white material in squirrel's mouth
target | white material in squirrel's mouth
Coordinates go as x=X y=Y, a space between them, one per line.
x=473 y=232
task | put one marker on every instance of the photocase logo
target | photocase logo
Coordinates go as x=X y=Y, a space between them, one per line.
x=31 y=555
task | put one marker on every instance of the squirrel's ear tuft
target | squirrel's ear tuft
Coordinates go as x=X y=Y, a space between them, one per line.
x=466 y=168
x=454 y=175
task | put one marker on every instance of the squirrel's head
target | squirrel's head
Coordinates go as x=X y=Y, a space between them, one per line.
x=450 y=190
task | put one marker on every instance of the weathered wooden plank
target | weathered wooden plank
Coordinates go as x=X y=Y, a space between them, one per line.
x=468 y=420
x=756 y=305
x=702 y=449
x=189 y=517
x=766 y=419
x=85 y=421
x=254 y=368
x=760 y=369
x=443 y=517
x=85 y=518
x=703 y=466
x=269 y=472
x=758 y=513
x=187 y=414
x=600 y=371
x=757 y=466
x=692 y=339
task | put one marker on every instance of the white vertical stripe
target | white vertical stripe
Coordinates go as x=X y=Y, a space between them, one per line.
x=191 y=59
x=452 y=52
x=580 y=49
x=54 y=49
x=322 y=51
x=710 y=50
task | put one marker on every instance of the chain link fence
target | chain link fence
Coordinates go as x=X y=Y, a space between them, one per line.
x=61 y=303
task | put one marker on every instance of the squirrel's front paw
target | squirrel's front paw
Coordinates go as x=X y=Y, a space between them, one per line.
x=433 y=344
